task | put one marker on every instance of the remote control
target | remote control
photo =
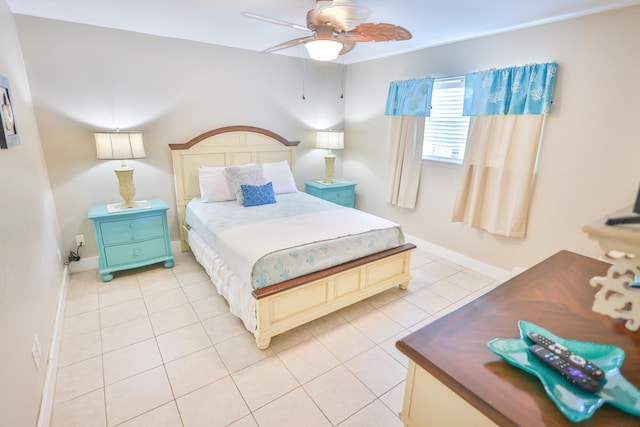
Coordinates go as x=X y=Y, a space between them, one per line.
x=574 y=375
x=590 y=369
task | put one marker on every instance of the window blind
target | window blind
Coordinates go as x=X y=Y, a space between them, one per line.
x=445 y=131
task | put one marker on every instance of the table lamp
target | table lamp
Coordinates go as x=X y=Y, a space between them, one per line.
x=121 y=146
x=330 y=140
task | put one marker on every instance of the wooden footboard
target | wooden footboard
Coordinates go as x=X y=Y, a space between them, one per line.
x=287 y=305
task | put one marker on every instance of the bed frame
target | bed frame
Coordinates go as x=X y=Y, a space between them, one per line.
x=289 y=304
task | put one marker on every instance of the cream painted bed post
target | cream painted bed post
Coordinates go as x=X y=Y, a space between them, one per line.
x=407 y=267
x=262 y=340
x=183 y=230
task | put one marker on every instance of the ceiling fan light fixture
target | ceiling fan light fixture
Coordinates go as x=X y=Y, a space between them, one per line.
x=323 y=49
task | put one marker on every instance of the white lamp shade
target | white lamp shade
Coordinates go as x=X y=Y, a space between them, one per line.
x=330 y=140
x=323 y=49
x=119 y=145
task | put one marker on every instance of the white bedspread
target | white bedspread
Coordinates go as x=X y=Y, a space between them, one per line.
x=241 y=248
x=298 y=235
x=237 y=292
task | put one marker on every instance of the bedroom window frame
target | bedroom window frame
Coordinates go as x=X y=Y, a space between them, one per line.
x=446 y=129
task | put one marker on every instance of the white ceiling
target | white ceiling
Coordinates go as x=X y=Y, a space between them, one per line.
x=219 y=22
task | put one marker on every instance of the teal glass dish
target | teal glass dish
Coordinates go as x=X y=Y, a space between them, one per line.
x=574 y=403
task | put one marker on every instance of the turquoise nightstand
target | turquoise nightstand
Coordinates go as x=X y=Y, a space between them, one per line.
x=342 y=192
x=131 y=238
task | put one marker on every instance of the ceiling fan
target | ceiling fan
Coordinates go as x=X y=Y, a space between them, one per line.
x=336 y=26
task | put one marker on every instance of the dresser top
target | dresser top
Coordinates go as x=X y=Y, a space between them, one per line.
x=99 y=211
x=337 y=184
x=555 y=295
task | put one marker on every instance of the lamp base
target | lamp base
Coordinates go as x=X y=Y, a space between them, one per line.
x=128 y=205
x=329 y=162
x=118 y=207
x=127 y=189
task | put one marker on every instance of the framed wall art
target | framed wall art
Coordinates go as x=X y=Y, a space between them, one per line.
x=9 y=133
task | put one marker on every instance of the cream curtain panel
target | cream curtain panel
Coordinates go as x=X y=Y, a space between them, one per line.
x=405 y=160
x=498 y=169
x=509 y=107
x=408 y=102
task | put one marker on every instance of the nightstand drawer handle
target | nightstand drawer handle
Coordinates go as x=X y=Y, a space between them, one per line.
x=132 y=224
x=137 y=252
x=134 y=236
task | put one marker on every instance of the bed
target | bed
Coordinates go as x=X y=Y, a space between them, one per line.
x=269 y=306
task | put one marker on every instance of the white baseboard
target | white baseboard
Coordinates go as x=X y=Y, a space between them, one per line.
x=48 y=390
x=84 y=264
x=91 y=263
x=457 y=258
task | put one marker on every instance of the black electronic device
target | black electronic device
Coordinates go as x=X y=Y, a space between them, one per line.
x=567 y=370
x=632 y=219
x=577 y=361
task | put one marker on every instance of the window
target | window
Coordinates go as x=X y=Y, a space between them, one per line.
x=445 y=132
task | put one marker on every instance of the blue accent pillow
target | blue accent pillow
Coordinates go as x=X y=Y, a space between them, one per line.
x=256 y=195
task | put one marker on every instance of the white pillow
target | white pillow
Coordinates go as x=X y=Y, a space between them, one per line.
x=213 y=184
x=279 y=173
x=251 y=174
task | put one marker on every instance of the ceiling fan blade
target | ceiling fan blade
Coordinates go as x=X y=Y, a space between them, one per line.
x=343 y=15
x=288 y=44
x=376 y=33
x=275 y=21
x=347 y=45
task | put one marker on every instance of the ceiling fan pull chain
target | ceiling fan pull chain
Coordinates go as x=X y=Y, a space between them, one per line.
x=344 y=72
x=303 y=69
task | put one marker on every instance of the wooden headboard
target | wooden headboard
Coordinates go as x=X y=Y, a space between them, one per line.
x=227 y=146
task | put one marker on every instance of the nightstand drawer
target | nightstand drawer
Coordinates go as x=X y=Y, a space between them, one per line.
x=135 y=252
x=341 y=197
x=130 y=225
x=132 y=236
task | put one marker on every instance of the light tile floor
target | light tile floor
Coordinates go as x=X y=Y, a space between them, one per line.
x=158 y=347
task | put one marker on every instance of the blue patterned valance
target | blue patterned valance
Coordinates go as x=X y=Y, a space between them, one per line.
x=410 y=97
x=515 y=90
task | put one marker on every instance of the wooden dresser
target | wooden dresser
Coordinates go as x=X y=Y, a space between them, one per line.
x=455 y=380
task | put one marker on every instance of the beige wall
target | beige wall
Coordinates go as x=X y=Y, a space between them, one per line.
x=589 y=161
x=31 y=273
x=86 y=78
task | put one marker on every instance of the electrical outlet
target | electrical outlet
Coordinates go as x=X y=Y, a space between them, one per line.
x=36 y=351
x=80 y=240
